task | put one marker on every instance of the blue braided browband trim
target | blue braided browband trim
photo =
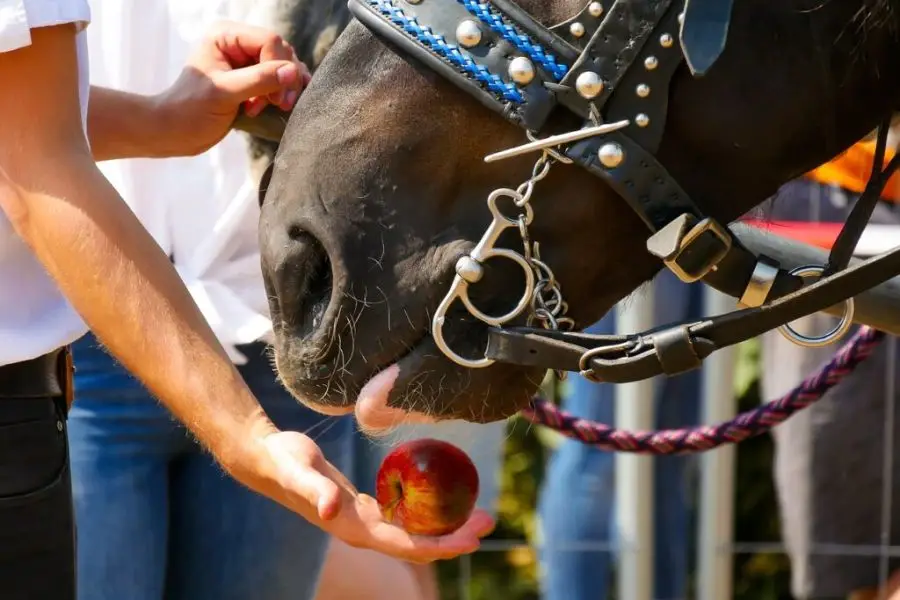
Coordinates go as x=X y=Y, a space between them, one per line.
x=449 y=52
x=524 y=44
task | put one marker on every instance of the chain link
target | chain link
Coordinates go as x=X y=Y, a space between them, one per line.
x=548 y=308
x=542 y=296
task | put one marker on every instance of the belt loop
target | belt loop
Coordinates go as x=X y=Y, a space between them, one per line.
x=65 y=371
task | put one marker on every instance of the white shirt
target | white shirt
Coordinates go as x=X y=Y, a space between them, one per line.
x=201 y=210
x=34 y=316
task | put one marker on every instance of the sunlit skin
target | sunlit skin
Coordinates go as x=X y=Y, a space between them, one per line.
x=427 y=487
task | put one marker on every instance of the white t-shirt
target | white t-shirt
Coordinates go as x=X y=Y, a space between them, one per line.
x=35 y=318
x=202 y=210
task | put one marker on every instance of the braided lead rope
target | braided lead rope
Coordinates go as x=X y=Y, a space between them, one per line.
x=706 y=437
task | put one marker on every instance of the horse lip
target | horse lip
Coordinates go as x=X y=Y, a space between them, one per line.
x=331 y=411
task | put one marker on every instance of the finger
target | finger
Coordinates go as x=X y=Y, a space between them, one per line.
x=254 y=106
x=290 y=97
x=244 y=42
x=341 y=480
x=259 y=80
x=278 y=49
x=422 y=549
x=317 y=490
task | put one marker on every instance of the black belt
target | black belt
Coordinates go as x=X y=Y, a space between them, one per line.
x=41 y=377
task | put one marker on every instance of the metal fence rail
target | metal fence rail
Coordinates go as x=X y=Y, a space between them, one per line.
x=716 y=546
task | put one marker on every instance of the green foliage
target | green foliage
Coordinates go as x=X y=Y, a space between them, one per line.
x=512 y=574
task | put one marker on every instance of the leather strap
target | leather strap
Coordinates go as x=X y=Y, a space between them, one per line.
x=858 y=219
x=676 y=348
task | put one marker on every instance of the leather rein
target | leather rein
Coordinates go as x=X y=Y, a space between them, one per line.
x=611 y=65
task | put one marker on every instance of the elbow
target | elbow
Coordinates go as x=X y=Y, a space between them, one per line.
x=25 y=180
x=13 y=202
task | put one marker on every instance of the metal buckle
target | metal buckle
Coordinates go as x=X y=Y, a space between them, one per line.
x=704 y=226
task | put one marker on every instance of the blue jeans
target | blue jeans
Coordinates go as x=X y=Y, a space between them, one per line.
x=576 y=507
x=158 y=519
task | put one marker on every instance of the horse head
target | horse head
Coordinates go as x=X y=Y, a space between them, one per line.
x=380 y=182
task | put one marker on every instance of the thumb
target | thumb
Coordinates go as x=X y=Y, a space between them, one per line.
x=319 y=491
x=269 y=77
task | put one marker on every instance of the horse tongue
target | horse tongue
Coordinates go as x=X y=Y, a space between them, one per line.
x=372 y=411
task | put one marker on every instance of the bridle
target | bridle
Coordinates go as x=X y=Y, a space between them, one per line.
x=611 y=65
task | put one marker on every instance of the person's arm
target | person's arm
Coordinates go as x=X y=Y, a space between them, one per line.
x=104 y=261
x=124 y=287
x=125 y=125
x=195 y=112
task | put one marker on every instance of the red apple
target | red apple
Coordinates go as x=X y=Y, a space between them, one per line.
x=427 y=487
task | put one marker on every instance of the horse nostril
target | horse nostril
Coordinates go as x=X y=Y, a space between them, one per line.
x=305 y=283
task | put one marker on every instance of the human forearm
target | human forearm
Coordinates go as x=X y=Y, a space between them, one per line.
x=126 y=125
x=130 y=295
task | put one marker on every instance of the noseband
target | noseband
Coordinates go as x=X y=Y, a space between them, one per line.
x=611 y=66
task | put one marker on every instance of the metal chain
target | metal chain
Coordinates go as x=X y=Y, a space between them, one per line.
x=547 y=304
x=542 y=296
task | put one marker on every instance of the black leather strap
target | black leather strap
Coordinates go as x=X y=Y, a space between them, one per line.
x=551 y=38
x=858 y=219
x=612 y=50
x=659 y=351
x=586 y=19
x=494 y=54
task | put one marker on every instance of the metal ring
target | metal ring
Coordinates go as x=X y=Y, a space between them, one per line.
x=829 y=337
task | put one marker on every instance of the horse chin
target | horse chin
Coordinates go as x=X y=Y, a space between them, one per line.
x=425 y=387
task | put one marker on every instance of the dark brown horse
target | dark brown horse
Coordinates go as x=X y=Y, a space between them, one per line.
x=379 y=187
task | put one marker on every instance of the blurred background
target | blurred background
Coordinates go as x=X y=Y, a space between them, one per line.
x=507 y=566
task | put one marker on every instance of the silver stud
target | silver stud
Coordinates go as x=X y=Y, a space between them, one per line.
x=681 y=18
x=611 y=155
x=469 y=269
x=641 y=120
x=521 y=70
x=596 y=9
x=576 y=29
x=589 y=85
x=666 y=40
x=468 y=34
x=642 y=90
x=59 y=426
x=651 y=62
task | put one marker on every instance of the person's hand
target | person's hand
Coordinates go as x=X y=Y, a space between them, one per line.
x=235 y=64
x=290 y=468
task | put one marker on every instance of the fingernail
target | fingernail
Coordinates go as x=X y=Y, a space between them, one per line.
x=286 y=74
x=252 y=108
x=290 y=98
